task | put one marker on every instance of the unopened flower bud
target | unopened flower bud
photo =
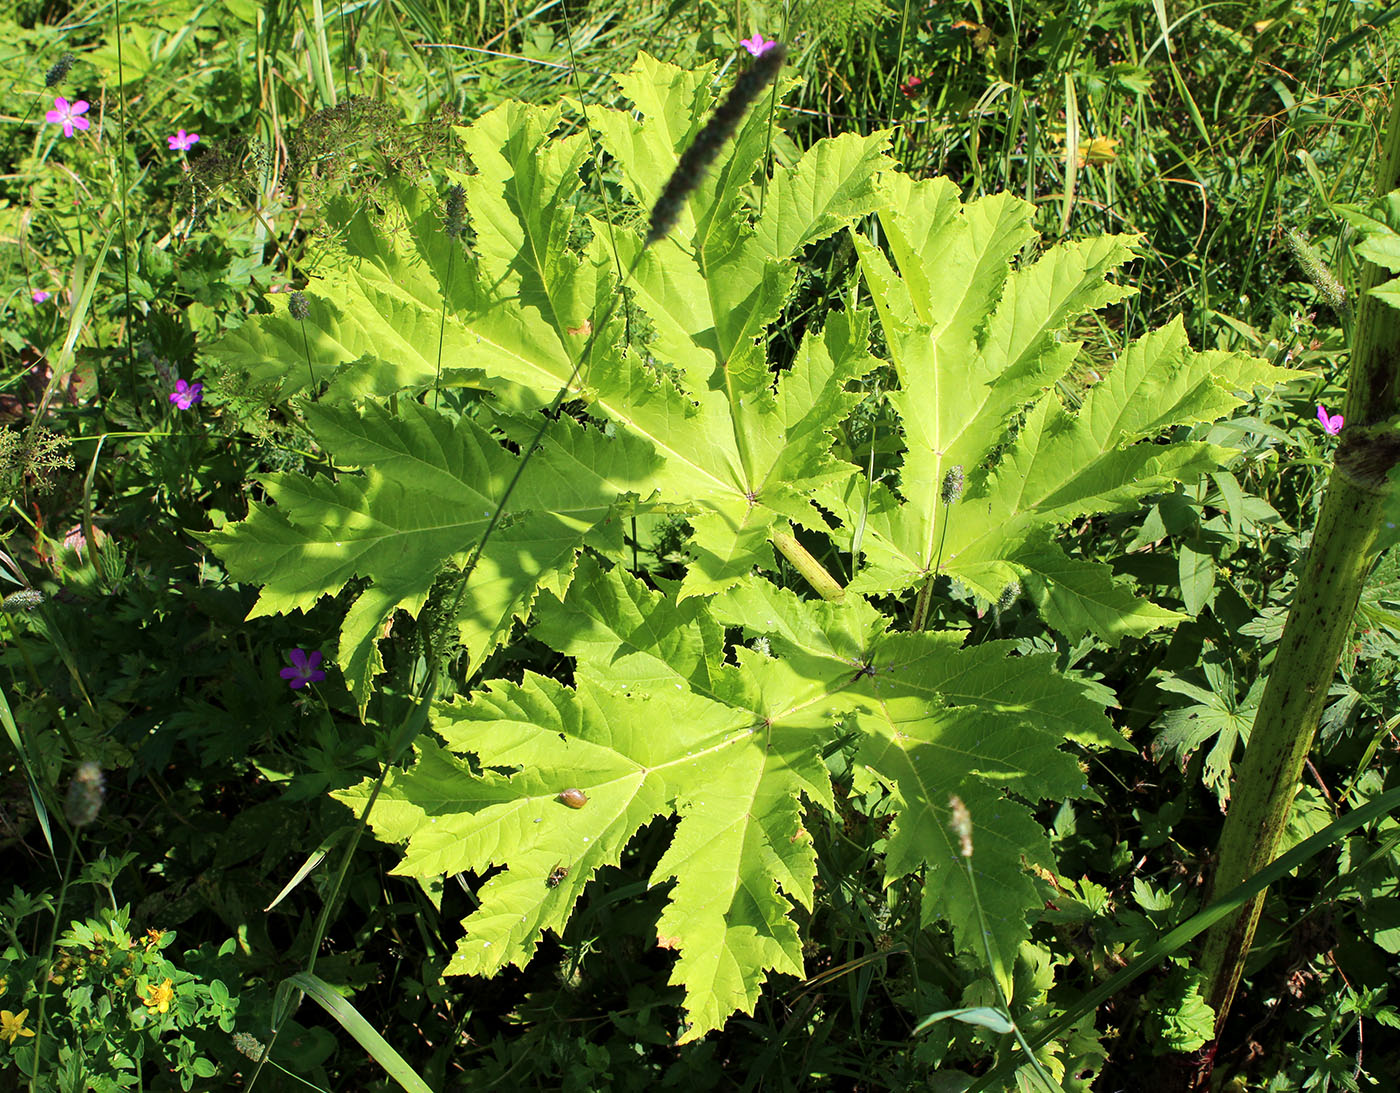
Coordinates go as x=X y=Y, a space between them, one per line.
x=297 y=305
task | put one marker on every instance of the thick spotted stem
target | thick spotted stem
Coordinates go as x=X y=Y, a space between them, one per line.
x=1341 y=554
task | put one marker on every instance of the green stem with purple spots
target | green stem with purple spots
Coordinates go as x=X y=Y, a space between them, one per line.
x=1341 y=554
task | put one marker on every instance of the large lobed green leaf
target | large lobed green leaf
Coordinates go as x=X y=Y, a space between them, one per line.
x=516 y=317
x=978 y=346
x=666 y=347
x=657 y=724
x=426 y=489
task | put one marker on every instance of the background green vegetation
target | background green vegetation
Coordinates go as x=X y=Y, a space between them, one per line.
x=1212 y=130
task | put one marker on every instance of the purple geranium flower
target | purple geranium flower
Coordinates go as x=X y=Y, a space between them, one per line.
x=66 y=114
x=757 y=45
x=186 y=395
x=182 y=141
x=306 y=668
x=39 y=295
x=1332 y=423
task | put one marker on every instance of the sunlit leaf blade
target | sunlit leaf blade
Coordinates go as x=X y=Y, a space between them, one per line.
x=427 y=488
x=978 y=346
x=717 y=756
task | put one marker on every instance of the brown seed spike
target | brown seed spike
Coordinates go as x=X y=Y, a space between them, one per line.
x=574 y=798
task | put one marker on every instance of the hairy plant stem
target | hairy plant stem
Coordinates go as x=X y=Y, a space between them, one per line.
x=126 y=243
x=1339 y=558
x=813 y=572
x=442 y=325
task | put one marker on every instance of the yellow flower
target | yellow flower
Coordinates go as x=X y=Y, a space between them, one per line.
x=12 y=1025
x=158 y=998
x=1098 y=151
x=153 y=938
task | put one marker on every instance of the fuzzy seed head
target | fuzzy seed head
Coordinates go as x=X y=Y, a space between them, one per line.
x=961 y=823
x=952 y=485
x=297 y=305
x=59 y=69
x=708 y=142
x=85 y=794
x=1009 y=595
x=248 y=1044
x=1329 y=289
x=26 y=599
x=454 y=212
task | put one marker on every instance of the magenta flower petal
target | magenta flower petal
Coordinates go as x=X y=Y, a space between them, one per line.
x=182 y=141
x=1331 y=423
x=757 y=45
x=305 y=668
x=39 y=295
x=186 y=394
x=66 y=114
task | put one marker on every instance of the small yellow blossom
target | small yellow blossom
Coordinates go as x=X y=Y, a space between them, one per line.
x=1098 y=151
x=12 y=1025
x=158 y=998
x=153 y=937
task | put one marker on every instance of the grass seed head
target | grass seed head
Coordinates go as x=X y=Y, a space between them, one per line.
x=952 y=485
x=961 y=823
x=454 y=212
x=59 y=70
x=1329 y=289
x=723 y=123
x=26 y=599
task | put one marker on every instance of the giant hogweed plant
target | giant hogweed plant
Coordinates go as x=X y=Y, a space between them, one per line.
x=662 y=349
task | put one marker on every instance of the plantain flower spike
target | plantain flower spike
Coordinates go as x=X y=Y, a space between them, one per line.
x=708 y=142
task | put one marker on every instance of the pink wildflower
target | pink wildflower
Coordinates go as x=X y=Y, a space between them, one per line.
x=757 y=45
x=305 y=669
x=66 y=114
x=186 y=394
x=182 y=141
x=1332 y=423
